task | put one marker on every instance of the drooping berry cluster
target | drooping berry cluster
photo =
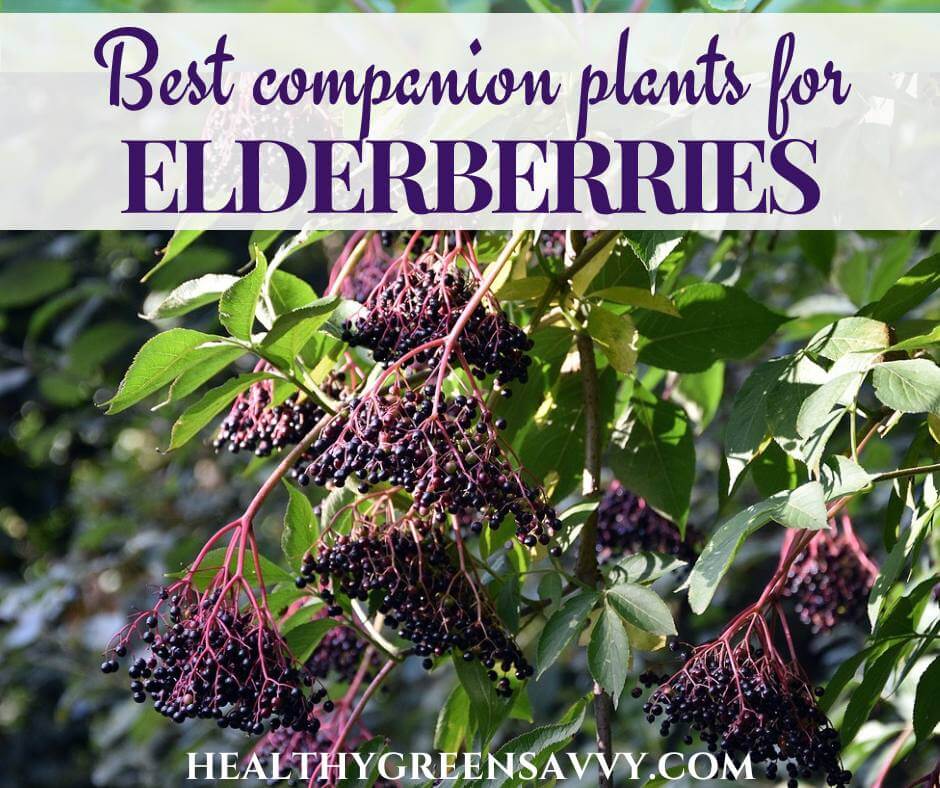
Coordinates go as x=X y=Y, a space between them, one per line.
x=743 y=698
x=253 y=425
x=626 y=524
x=450 y=461
x=212 y=660
x=830 y=580
x=364 y=279
x=423 y=594
x=340 y=654
x=421 y=303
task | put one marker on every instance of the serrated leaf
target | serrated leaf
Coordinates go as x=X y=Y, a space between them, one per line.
x=179 y=241
x=272 y=574
x=527 y=289
x=641 y=607
x=213 y=402
x=803 y=508
x=652 y=453
x=920 y=341
x=238 y=304
x=653 y=246
x=911 y=290
x=585 y=277
x=488 y=710
x=747 y=430
x=700 y=394
x=262 y=239
x=562 y=627
x=800 y=508
x=288 y=292
x=641 y=640
x=926 y=707
x=643 y=567
x=161 y=359
x=303 y=640
x=292 y=331
x=783 y=403
x=211 y=362
x=716 y=322
x=335 y=514
x=616 y=337
x=826 y=402
x=538 y=741
x=192 y=295
x=909 y=540
x=866 y=694
x=299 y=526
x=637 y=297
x=453 y=721
x=609 y=653
x=850 y=335
x=554 y=439
x=910 y=386
x=841 y=476
x=774 y=470
x=550 y=587
x=843 y=675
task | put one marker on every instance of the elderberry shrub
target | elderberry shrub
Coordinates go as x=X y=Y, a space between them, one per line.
x=450 y=461
x=743 y=698
x=211 y=660
x=626 y=524
x=423 y=594
x=340 y=654
x=422 y=303
x=831 y=579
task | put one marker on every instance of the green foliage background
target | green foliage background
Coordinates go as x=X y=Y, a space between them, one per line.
x=93 y=514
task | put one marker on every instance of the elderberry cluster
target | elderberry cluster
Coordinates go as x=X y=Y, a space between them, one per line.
x=364 y=278
x=830 y=581
x=626 y=524
x=743 y=699
x=253 y=425
x=422 y=303
x=339 y=654
x=212 y=661
x=422 y=594
x=450 y=461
